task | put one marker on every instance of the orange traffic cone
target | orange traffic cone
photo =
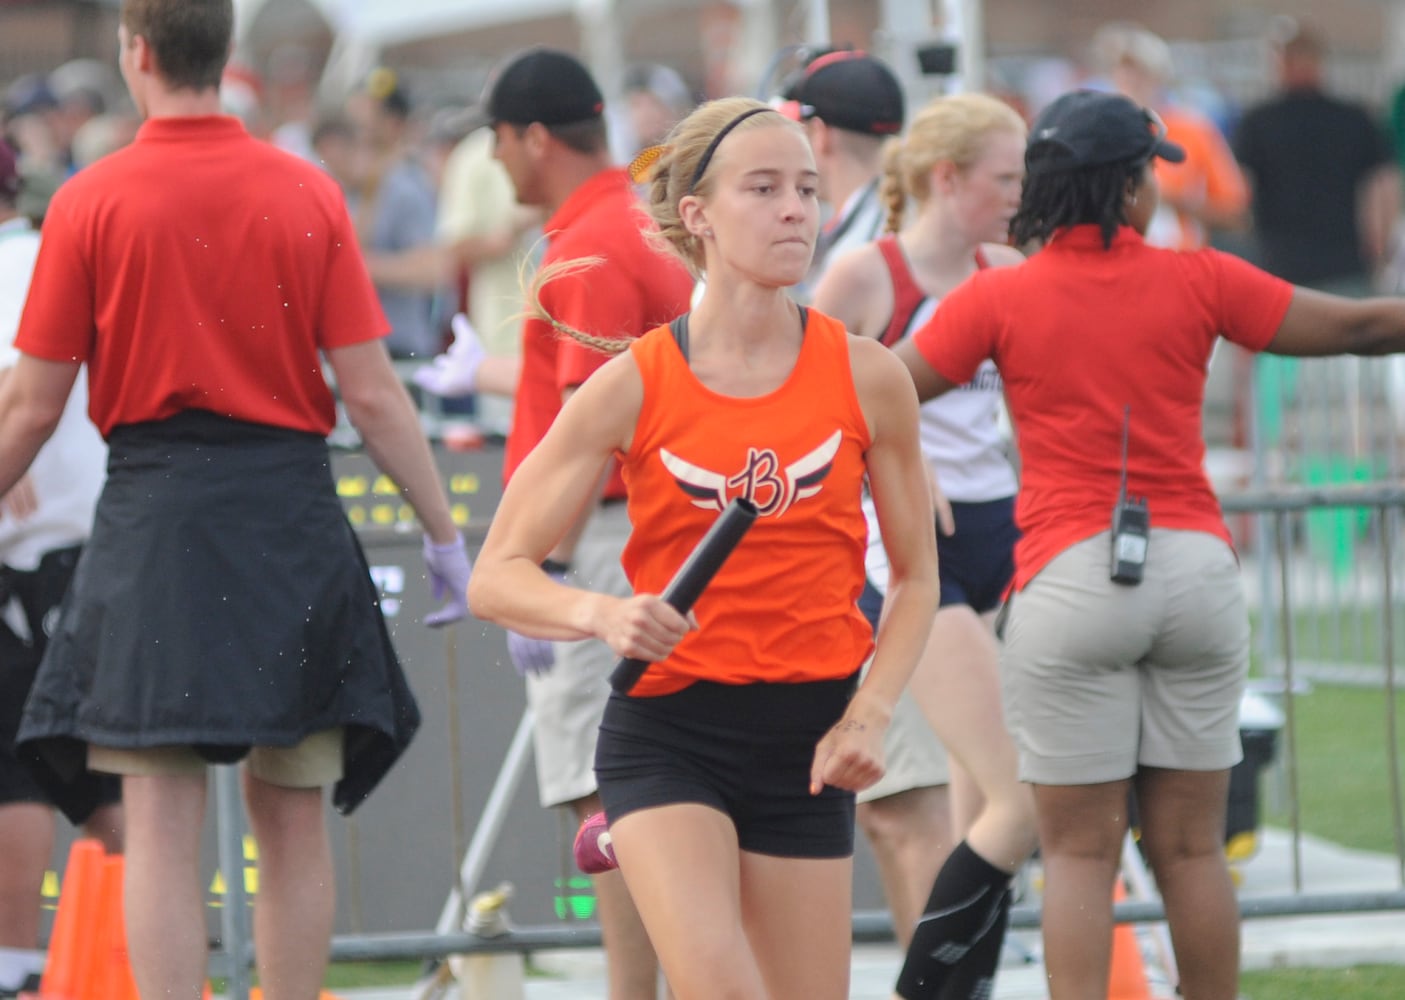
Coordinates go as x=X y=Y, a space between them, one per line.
x=68 y=969
x=112 y=971
x=1128 y=975
x=88 y=957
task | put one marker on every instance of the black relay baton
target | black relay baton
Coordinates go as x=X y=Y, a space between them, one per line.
x=694 y=575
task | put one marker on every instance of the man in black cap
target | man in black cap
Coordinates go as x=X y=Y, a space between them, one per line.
x=546 y=113
x=850 y=103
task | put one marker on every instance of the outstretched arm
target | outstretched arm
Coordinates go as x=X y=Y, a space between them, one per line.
x=1317 y=324
x=929 y=382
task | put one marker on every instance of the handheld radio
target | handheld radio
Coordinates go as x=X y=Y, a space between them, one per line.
x=1131 y=524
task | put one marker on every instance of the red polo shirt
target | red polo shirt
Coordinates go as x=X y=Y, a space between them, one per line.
x=1078 y=333
x=200 y=268
x=633 y=289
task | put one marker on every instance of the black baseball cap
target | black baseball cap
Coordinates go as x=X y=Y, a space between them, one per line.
x=850 y=89
x=1089 y=128
x=539 y=85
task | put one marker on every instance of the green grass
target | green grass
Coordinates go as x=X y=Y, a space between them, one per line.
x=1343 y=776
x=355 y=975
x=1367 y=982
x=1351 y=635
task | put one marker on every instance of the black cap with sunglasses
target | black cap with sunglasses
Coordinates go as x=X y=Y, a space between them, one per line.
x=850 y=90
x=538 y=85
x=1087 y=128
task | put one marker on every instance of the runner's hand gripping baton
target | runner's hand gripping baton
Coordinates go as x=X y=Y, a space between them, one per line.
x=694 y=575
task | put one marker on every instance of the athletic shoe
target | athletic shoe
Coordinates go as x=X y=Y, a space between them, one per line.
x=594 y=850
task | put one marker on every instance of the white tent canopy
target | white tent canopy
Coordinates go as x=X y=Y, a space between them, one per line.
x=390 y=21
x=364 y=27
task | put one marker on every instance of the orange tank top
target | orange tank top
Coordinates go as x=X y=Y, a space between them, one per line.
x=783 y=608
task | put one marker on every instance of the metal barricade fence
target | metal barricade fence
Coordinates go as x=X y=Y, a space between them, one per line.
x=1361 y=627
x=1312 y=424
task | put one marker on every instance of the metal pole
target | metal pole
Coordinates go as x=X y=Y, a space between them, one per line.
x=817 y=22
x=1280 y=521
x=602 y=44
x=1388 y=662
x=905 y=23
x=1268 y=632
x=758 y=38
x=971 y=45
x=234 y=918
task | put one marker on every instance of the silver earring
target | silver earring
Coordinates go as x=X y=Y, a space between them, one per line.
x=708 y=233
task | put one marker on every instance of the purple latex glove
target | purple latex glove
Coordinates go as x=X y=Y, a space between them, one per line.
x=534 y=657
x=448 y=569
x=455 y=372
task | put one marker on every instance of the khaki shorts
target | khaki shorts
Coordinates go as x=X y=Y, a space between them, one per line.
x=1101 y=678
x=913 y=755
x=314 y=762
x=568 y=701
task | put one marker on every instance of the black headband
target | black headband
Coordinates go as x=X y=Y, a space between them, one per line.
x=717 y=139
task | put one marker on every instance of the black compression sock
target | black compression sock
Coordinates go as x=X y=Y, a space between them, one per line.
x=969 y=903
x=973 y=977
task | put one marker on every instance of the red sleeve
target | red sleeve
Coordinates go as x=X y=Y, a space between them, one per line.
x=351 y=309
x=961 y=333
x=602 y=300
x=1252 y=302
x=58 y=321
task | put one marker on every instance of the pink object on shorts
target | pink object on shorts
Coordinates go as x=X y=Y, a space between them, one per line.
x=594 y=851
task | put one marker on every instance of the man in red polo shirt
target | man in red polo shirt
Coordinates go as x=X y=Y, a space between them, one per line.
x=546 y=115
x=222 y=608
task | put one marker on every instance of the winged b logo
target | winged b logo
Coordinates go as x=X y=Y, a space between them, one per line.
x=762 y=480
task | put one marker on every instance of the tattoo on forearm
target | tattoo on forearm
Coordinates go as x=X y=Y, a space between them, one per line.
x=850 y=726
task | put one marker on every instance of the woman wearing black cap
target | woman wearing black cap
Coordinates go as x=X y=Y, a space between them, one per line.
x=1128 y=639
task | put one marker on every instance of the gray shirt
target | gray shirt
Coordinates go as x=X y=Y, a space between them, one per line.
x=404 y=218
